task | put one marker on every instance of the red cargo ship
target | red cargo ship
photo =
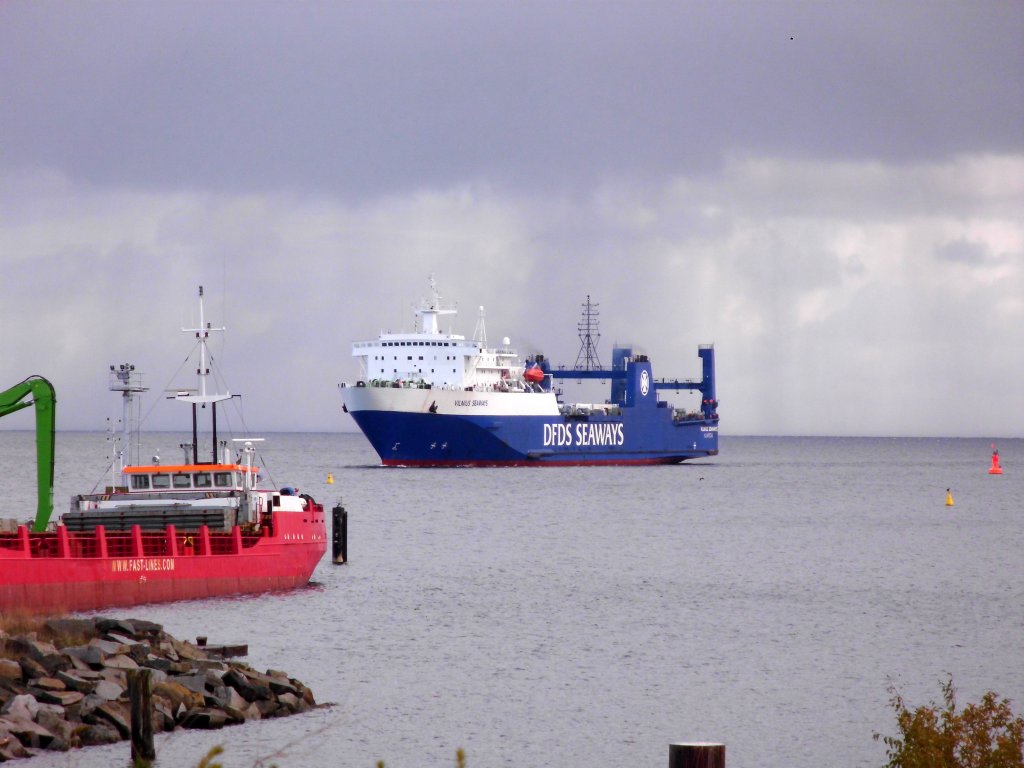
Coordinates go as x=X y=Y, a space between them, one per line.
x=166 y=532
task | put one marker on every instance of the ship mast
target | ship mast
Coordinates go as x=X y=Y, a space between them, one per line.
x=587 y=359
x=125 y=380
x=202 y=398
x=431 y=311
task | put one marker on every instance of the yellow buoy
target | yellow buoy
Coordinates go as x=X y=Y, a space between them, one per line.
x=330 y=478
x=949 y=498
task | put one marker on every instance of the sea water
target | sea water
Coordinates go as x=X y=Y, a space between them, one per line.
x=767 y=598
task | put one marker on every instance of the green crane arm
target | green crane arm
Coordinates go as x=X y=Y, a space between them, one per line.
x=45 y=401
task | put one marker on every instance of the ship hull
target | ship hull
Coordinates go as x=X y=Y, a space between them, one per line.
x=505 y=429
x=68 y=571
x=508 y=425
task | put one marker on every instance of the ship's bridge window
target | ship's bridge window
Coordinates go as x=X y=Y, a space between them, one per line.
x=182 y=480
x=223 y=479
x=201 y=479
x=140 y=482
x=161 y=481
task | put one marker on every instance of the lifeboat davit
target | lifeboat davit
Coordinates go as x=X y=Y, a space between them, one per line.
x=534 y=375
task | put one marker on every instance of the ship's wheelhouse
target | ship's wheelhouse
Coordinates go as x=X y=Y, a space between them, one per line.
x=220 y=478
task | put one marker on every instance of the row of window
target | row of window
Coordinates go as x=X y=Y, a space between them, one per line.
x=395 y=357
x=179 y=480
x=418 y=344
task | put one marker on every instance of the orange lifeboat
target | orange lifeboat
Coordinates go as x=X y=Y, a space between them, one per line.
x=534 y=375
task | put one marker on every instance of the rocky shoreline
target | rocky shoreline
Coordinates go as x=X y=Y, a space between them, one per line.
x=63 y=685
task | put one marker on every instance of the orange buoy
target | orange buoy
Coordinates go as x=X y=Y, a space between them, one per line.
x=995 y=469
x=949 y=498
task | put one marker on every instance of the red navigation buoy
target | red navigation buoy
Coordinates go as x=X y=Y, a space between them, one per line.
x=995 y=469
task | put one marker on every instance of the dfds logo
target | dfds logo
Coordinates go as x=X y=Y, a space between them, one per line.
x=605 y=433
x=645 y=383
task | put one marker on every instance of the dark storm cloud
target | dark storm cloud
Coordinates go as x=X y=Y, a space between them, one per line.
x=832 y=193
x=360 y=98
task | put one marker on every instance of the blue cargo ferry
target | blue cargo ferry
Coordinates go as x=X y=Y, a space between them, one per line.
x=434 y=399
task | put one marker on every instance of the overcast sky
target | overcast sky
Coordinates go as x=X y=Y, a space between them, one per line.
x=832 y=193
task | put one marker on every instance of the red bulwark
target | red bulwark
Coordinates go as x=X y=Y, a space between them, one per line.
x=65 y=571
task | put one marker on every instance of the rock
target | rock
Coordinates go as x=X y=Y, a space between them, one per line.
x=155 y=662
x=144 y=628
x=125 y=640
x=108 y=647
x=267 y=708
x=10 y=669
x=29 y=733
x=73 y=628
x=53 y=709
x=290 y=701
x=119 y=676
x=188 y=651
x=236 y=700
x=106 y=626
x=167 y=649
x=65 y=735
x=76 y=663
x=76 y=681
x=87 y=706
x=306 y=693
x=64 y=698
x=219 y=696
x=53 y=698
x=179 y=695
x=194 y=682
x=35 y=649
x=282 y=686
x=90 y=654
x=109 y=690
x=116 y=714
x=165 y=709
x=24 y=706
x=235 y=716
x=205 y=718
x=98 y=733
x=31 y=669
x=50 y=684
x=121 y=661
x=251 y=690
x=11 y=748
x=55 y=663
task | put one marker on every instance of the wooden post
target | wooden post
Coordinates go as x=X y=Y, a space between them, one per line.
x=339 y=530
x=140 y=695
x=696 y=754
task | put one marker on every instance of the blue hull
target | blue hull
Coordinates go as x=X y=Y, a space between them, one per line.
x=640 y=436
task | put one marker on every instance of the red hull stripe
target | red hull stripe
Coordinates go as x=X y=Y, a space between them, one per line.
x=534 y=463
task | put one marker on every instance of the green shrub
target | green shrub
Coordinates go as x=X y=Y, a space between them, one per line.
x=983 y=735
